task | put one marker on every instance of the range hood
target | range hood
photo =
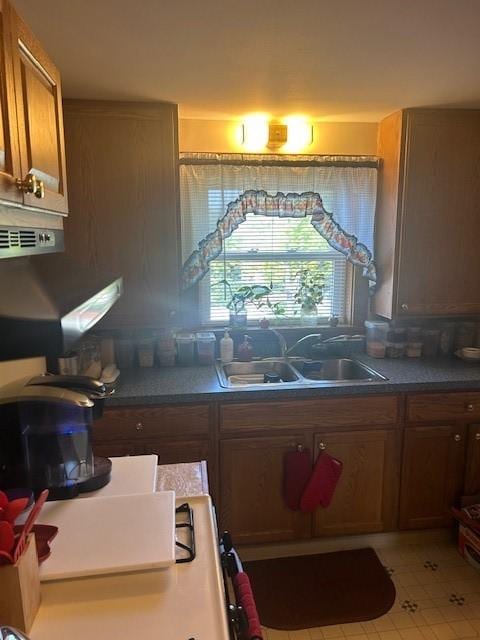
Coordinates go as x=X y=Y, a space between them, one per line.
x=45 y=315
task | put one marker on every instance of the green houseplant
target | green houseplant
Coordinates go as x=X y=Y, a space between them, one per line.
x=256 y=294
x=309 y=294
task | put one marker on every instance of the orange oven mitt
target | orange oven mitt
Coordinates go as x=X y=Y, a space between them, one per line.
x=322 y=484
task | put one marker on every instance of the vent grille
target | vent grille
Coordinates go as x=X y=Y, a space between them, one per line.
x=19 y=241
x=4 y=239
x=28 y=238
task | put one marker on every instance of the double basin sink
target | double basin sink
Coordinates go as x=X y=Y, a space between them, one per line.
x=295 y=371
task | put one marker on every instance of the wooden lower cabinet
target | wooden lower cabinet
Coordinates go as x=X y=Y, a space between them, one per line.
x=472 y=461
x=365 y=499
x=251 y=500
x=433 y=474
x=175 y=433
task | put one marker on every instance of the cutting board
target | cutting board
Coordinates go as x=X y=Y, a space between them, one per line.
x=112 y=534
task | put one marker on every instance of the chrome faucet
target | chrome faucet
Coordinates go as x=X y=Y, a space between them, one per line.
x=285 y=350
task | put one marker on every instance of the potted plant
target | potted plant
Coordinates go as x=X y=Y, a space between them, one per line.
x=309 y=294
x=256 y=294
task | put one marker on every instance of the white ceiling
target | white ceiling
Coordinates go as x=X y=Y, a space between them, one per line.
x=345 y=60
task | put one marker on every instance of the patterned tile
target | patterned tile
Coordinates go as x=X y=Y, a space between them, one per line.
x=438 y=598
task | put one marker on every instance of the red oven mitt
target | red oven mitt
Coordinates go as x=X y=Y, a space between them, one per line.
x=297 y=469
x=322 y=483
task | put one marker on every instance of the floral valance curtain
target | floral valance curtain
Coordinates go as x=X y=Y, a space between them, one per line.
x=337 y=192
x=292 y=205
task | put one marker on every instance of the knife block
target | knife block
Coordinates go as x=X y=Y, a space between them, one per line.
x=20 y=589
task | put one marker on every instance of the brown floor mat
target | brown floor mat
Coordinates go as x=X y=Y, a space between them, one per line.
x=312 y=591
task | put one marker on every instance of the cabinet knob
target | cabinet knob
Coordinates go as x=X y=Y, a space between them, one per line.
x=457 y=437
x=299 y=448
x=477 y=436
x=470 y=407
x=31 y=184
x=322 y=446
x=404 y=306
x=138 y=426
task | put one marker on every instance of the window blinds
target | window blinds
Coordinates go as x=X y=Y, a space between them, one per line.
x=271 y=251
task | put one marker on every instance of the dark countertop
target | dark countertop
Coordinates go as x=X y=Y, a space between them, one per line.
x=200 y=384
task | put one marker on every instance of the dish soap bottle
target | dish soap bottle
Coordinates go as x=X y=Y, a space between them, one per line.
x=245 y=350
x=226 y=348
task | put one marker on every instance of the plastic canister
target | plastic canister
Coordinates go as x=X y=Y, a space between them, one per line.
x=376 y=333
x=166 y=348
x=185 y=349
x=205 y=347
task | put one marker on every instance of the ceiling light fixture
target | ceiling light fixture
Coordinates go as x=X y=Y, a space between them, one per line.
x=291 y=135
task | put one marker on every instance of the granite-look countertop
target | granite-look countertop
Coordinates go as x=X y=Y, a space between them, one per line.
x=200 y=384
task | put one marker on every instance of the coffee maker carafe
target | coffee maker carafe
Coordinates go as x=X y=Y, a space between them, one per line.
x=46 y=435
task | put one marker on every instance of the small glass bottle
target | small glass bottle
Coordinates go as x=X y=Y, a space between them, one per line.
x=245 y=350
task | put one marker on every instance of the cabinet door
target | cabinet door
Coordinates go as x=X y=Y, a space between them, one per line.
x=432 y=475
x=9 y=152
x=439 y=213
x=175 y=451
x=365 y=499
x=126 y=186
x=251 y=500
x=118 y=448
x=40 y=119
x=472 y=468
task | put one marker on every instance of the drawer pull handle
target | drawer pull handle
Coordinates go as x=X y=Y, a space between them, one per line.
x=470 y=407
x=477 y=436
x=322 y=446
x=138 y=426
x=457 y=437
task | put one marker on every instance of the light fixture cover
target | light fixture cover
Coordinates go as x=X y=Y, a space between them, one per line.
x=277 y=135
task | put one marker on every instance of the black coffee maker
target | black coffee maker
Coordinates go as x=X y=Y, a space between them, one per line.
x=46 y=436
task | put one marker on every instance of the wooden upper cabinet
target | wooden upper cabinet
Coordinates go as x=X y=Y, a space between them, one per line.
x=40 y=120
x=427 y=207
x=10 y=168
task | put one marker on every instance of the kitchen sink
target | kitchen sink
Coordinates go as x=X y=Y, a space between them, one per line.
x=336 y=369
x=295 y=371
x=236 y=374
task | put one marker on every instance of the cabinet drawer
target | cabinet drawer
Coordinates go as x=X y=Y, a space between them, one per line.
x=309 y=413
x=148 y=422
x=443 y=406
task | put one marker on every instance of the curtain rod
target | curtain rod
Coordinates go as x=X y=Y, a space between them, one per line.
x=328 y=161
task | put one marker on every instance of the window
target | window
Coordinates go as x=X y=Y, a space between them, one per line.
x=268 y=250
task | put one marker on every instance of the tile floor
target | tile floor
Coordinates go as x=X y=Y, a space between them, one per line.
x=438 y=598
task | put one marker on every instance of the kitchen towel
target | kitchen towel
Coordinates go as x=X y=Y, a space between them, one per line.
x=296 y=473
x=322 y=484
x=244 y=595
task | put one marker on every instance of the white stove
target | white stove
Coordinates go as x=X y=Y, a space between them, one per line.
x=184 y=602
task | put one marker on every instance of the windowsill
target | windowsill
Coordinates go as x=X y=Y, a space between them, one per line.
x=281 y=327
